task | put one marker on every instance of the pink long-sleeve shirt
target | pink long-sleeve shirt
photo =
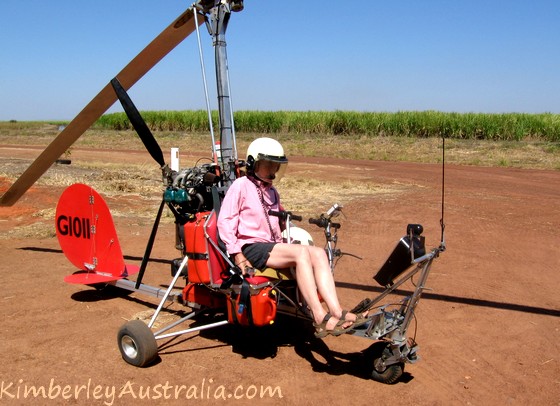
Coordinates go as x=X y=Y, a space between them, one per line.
x=243 y=220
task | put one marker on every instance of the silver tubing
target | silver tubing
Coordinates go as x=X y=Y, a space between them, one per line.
x=175 y=323
x=205 y=85
x=394 y=286
x=171 y=286
x=288 y=229
x=421 y=286
x=425 y=257
x=145 y=289
x=216 y=247
x=231 y=116
x=192 y=330
x=219 y=21
x=330 y=249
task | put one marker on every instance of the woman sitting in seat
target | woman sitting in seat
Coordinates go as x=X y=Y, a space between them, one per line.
x=253 y=238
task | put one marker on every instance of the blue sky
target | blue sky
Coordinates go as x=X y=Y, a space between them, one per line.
x=486 y=56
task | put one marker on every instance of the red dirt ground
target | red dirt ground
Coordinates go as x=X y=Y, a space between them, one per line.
x=489 y=330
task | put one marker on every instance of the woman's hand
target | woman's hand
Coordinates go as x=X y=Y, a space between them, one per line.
x=242 y=262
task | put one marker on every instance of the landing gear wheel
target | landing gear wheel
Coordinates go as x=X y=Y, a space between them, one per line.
x=390 y=375
x=381 y=372
x=137 y=343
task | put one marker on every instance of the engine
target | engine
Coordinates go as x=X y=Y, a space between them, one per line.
x=189 y=191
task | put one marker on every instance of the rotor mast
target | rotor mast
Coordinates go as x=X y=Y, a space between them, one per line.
x=219 y=13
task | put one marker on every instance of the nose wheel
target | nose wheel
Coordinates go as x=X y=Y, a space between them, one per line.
x=380 y=370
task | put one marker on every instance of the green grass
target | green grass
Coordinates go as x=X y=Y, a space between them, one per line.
x=416 y=124
x=508 y=140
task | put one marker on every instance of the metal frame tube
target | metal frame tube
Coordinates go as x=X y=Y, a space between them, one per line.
x=127 y=284
x=171 y=286
x=207 y=97
x=176 y=323
x=219 y=21
x=192 y=330
x=416 y=295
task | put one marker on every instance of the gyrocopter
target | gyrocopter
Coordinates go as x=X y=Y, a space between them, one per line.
x=204 y=278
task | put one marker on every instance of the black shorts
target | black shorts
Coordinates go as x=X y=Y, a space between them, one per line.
x=258 y=253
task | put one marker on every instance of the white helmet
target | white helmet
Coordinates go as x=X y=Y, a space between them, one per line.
x=298 y=236
x=266 y=149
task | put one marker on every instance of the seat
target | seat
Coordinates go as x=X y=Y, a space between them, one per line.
x=250 y=301
x=207 y=260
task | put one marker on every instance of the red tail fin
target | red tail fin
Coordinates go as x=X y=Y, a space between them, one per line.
x=87 y=236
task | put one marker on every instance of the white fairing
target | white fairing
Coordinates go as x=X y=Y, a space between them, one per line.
x=298 y=236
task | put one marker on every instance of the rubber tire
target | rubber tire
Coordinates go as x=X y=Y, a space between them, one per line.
x=137 y=343
x=391 y=374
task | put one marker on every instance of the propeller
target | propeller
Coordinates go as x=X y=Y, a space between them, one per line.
x=155 y=151
x=138 y=123
x=167 y=40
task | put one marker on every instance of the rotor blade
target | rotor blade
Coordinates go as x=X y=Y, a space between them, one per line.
x=138 y=123
x=138 y=67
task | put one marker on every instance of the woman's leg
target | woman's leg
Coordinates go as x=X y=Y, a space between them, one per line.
x=286 y=255
x=313 y=274
x=325 y=282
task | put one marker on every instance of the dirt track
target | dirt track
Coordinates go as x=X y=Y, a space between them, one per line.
x=489 y=331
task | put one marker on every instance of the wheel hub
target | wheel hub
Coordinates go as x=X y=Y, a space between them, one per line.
x=379 y=365
x=129 y=347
